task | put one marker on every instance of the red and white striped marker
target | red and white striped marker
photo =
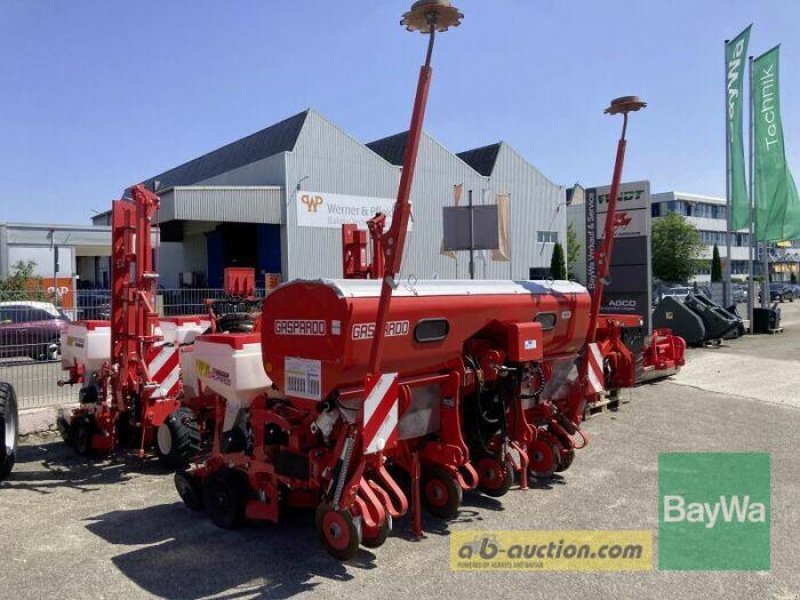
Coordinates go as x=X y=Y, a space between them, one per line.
x=597 y=379
x=164 y=367
x=381 y=413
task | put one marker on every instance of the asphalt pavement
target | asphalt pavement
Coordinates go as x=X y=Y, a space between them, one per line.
x=115 y=528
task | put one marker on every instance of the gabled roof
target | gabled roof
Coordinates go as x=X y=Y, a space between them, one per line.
x=392 y=149
x=482 y=159
x=273 y=140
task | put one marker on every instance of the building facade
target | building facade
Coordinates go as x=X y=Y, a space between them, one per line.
x=709 y=215
x=248 y=203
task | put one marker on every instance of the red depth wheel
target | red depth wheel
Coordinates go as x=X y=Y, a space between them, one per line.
x=495 y=477
x=441 y=493
x=338 y=532
x=543 y=457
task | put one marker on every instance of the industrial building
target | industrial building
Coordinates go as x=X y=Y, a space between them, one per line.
x=82 y=253
x=275 y=201
x=709 y=214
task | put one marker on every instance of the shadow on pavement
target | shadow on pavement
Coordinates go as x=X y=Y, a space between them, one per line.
x=44 y=467
x=186 y=556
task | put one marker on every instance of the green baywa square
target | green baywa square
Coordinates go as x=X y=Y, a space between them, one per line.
x=714 y=511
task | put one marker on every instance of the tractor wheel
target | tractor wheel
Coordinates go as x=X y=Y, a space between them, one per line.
x=178 y=438
x=375 y=537
x=338 y=532
x=225 y=497
x=65 y=430
x=441 y=494
x=566 y=460
x=189 y=489
x=9 y=429
x=81 y=433
x=495 y=478
x=543 y=456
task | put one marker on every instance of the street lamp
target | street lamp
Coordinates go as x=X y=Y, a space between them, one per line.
x=623 y=106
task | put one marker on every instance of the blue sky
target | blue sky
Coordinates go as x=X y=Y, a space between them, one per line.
x=99 y=94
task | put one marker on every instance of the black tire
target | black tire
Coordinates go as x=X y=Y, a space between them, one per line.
x=236 y=323
x=441 y=494
x=65 y=430
x=566 y=461
x=376 y=538
x=47 y=352
x=225 y=494
x=9 y=429
x=495 y=478
x=178 y=438
x=189 y=489
x=338 y=532
x=82 y=431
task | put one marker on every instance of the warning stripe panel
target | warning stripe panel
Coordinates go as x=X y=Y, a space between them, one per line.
x=381 y=413
x=164 y=368
x=595 y=370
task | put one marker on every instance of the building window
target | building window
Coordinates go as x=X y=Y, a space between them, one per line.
x=547 y=237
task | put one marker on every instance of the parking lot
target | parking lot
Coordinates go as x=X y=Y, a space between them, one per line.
x=116 y=528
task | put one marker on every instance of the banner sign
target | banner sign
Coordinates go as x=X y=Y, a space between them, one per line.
x=735 y=59
x=777 y=202
x=629 y=290
x=319 y=209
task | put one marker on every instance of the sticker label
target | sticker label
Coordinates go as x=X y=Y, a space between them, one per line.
x=303 y=378
x=366 y=331
x=530 y=344
x=300 y=327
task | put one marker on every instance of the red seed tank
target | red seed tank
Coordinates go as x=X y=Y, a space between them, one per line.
x=316 y=335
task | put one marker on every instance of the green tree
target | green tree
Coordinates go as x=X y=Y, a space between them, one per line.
x=716 y=265
x=676 y=248
x=573 y=250
x=558 y=269
x=21 y=283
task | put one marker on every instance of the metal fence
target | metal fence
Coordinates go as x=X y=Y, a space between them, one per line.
x=31 y=326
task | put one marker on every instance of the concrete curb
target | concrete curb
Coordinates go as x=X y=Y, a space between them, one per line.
x=39 y=420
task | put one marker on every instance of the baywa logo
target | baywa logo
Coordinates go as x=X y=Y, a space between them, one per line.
x=714 y=511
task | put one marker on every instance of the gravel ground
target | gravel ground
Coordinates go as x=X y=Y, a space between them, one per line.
x=115 y=528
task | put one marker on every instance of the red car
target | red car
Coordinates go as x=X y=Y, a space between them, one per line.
x=31 y=329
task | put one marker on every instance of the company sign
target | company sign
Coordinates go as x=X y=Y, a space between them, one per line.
x=714 y=511
x=331 y=211
x=629 y=289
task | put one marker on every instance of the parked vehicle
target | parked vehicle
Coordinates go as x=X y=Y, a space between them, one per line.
x=676 y=292
x=739 y=293
x=31 y=329
x=94 y=305
x=781 y=292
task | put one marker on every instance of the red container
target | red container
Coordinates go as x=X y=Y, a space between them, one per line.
x=320 y=332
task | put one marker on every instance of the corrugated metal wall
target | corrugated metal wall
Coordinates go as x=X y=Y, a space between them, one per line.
x=227 y=204
x=536 y=204
x=334 y=162
x=326 y=159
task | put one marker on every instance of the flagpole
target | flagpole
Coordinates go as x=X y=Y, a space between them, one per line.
x=751 y=288
x=726 y=284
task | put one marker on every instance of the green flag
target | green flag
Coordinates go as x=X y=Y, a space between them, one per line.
x=776 y=198
x=735 y=59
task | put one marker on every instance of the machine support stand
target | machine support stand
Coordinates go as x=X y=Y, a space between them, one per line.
x=416 y=496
